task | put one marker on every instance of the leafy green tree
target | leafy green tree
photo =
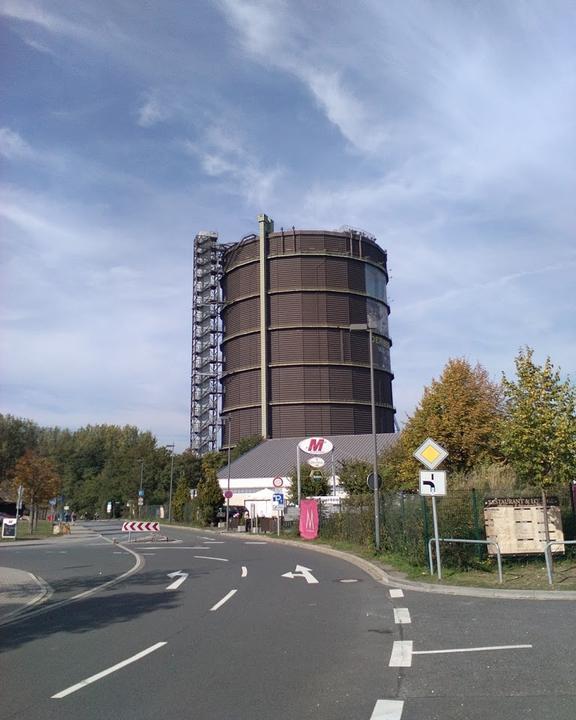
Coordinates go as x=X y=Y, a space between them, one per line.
x=313 y=483
x=244 y=445
x=353 y=474
x=40 y=480
x=209 y=495
x=539 y=431
x=181 y=498
x=17 y=435
x=462 y=411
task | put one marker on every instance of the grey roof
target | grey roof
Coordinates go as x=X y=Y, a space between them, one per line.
x=278 y=456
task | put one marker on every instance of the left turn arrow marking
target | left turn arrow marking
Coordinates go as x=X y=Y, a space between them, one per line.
x=181 y=577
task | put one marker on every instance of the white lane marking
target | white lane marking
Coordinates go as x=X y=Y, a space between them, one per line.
x=301 y=572
x=216 y=542
x=351 y=580
x=387 y=710
x=180 y=578
x=224 y=599
x=402 y=616
x=244 y=571
x=255 y=542
x=474 y=649
x=109 y=671
x=396 y=593
x=401 y=654
x=209 y=557
x=117 y=552
x=178 y=547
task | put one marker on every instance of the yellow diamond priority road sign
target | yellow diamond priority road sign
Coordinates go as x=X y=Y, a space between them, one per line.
x=430 y=454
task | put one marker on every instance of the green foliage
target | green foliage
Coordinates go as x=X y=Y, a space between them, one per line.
x=16 y=436
x=462 y=411
x=539 y=432
x=313 y=483
x=39 y=478
x=209 y=498
x=180 y=499
x=353 y=474
x=244 y=445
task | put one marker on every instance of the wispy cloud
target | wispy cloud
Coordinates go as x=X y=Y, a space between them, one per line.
x=222 y=155
x=152 y=112
x=13 y=145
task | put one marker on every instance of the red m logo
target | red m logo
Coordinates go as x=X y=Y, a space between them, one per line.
x=315 y=445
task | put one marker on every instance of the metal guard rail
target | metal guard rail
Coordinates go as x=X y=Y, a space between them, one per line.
x=548 y=555
x=471 y=542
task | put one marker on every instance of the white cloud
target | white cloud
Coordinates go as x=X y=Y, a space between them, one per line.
x=13 y=146
x=152 y=112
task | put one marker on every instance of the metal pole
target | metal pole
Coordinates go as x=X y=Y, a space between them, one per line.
x=333 y=473
x=141 y=483
x=436 y=538
x=229 y=461
x=375 y=440
x=299 y=484
x=171 y=480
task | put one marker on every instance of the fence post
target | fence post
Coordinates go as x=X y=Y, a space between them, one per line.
x=477 y=533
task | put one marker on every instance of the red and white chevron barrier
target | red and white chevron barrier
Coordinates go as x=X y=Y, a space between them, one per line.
x=136 y=526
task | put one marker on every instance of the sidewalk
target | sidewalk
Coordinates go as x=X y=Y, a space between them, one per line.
x=19 y=590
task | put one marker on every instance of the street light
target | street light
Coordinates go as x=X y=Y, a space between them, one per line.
x=140 y=494
x=171 y=448
x=228 y=419
x=365 y=326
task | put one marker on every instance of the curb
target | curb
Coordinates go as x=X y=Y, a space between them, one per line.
x=383 y=577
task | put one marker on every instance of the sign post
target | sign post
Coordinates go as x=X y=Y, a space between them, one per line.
x=278 y=505
x=432 y=484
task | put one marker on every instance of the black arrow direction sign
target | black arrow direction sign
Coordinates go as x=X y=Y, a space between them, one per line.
x=431 y=484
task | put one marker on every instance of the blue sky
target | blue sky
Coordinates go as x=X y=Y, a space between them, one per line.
x=447 y=129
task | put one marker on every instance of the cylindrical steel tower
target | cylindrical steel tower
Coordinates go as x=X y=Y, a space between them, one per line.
x=291 y=365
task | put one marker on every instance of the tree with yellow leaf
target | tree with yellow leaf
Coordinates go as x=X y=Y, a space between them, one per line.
x=40 y=480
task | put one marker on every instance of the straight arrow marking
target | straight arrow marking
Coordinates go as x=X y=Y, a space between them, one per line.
x=302 y=572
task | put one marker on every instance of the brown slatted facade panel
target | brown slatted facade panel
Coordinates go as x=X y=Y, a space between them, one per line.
x=241 y=389
x=244 y=423
x=241 y=281
x=357 y=276
x=241 y=253
x=374 y=253
x=321 y=308
x=242 y=352
x=241 y=316
x=298 y=420
x=308 y=344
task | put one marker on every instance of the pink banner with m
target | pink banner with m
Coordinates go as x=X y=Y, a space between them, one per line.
x=309 y=519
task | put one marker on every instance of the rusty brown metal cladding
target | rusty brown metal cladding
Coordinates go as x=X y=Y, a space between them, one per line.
x=318 y=283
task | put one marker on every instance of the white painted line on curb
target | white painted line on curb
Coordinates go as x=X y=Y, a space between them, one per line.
x=224 y=599
x=178 y=547
x=244 y=571
x=396 y=593
x=109 y=671
x=255 y=542
x=208 y=557
x=402 y=616
x=349 y=580
x=401 y=654
x=387 y=710
x=474 y=649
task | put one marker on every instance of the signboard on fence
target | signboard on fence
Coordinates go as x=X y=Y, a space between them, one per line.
x=517 y=524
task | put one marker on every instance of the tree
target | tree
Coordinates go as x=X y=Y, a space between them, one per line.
x=539 y=431
x=40 y=480
x=244 y=445
x=353 y=474
x=16 y=436
x=209 y=496
x=313 y=483
x=181 y=498
x=462 y=411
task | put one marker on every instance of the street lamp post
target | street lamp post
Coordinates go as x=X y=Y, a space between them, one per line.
x=171 y=448
x=365 y=326
x=141 y=461
x=228 y=419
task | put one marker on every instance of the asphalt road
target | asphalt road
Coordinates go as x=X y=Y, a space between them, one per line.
x=233 y=637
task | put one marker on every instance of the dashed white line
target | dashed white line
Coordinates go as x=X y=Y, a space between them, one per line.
x=402 y=616
x=387 y=710
x=401 y=654
x=244 y=571
x=109 y=671
x=209 y=557
x=349 y=580
x=224 y=599
x=396 y=593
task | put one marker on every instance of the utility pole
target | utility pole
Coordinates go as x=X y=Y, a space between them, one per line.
x=171 y=448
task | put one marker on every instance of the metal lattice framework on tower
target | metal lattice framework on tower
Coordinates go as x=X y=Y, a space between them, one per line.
x=206 y=337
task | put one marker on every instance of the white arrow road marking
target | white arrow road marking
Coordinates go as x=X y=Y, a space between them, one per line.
x=181 y=578
x=302 y=572
x=396 y=593
x=402 y=616
x=387 y=710
x=244 y=571
x=224 y=599
x=109 y=671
